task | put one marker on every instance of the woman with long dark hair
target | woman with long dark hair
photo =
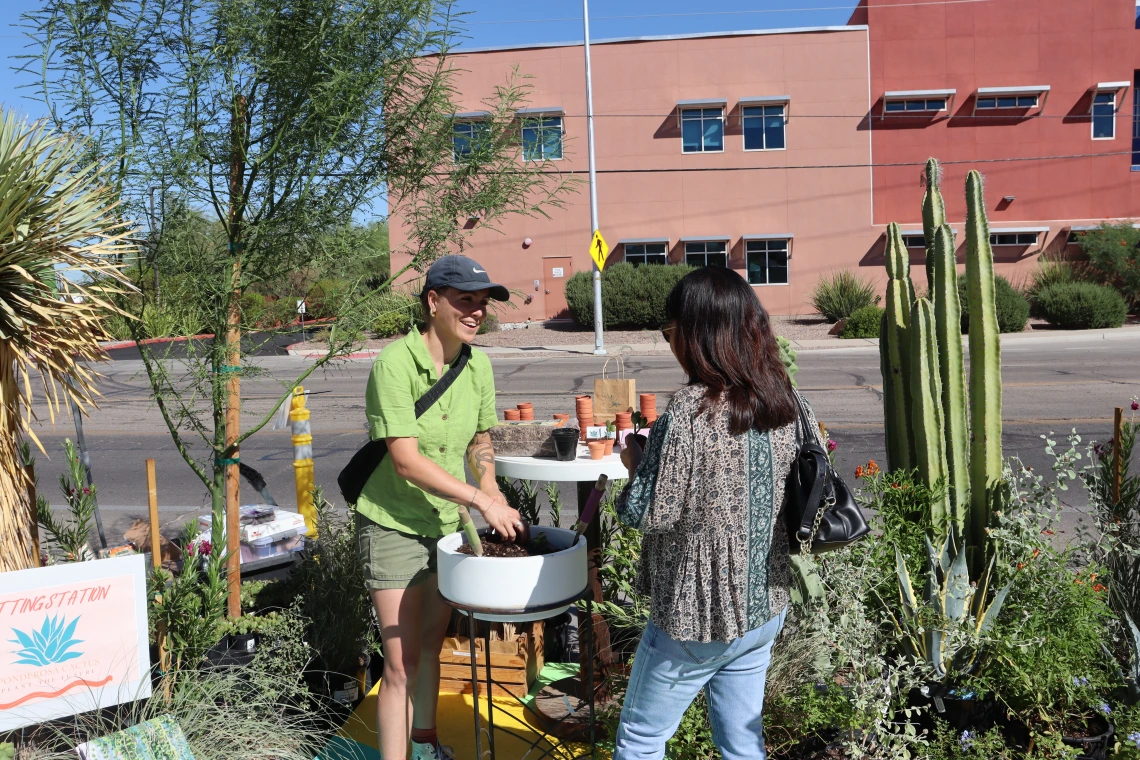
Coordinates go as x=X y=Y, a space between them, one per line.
x=708 y=494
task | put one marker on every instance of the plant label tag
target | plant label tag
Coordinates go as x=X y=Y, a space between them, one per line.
x=595 y=432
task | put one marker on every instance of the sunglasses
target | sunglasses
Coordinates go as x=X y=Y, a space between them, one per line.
x=666 y=331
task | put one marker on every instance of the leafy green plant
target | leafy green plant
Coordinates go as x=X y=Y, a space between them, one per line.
x=788 y=357
x=521 y=495
x=1012 y=307
x=69 y=540
x=864 y=322
x=1053 y=271
x=490 y=324
x=7 y=751
x=554 y=498
x=1082 y=306
x=1114 y=258
x=330 y=582
x=632 y=297
x=189 y=605
x=840 y=295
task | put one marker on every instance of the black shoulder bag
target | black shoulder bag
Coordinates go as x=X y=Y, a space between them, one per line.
x=365 y=461
x=822 y=514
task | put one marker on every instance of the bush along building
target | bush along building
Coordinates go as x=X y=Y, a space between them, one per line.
x=784 y=154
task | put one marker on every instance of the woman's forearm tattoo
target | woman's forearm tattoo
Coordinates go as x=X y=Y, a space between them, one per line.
x=481 y=455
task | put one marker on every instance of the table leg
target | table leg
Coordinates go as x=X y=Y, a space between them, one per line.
x=475 y=686
x=599 y=631
x=490 y=696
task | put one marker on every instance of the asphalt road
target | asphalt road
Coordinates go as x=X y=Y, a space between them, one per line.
x=1049 y=386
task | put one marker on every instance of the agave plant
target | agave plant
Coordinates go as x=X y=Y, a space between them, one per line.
x=1132 y=675
x=49 y=644
x=945 y=628
x=61 y=246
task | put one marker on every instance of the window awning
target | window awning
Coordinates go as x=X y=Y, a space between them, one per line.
x=547 y=111
x=1106 y=86
x=472 y=115
x=765 y=100
x=905 y=94
x=706 y=239
x=893 y=96
x=1015 y=230
x=770 y=236
x=1025 y=90
x=643 y=241
x=703 y=103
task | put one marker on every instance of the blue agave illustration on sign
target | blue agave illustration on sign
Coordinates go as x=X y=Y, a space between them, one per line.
x=49 y=645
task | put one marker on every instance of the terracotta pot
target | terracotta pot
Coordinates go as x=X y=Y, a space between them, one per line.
x=597 y=449
x=560 y=416
x=526 y=414
x=609 y=446
x=526 y=405
x=511 y=414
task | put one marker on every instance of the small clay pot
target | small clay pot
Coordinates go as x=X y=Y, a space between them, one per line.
x=511 y=415
x=526 y=414
x=609 y=446
x=597 y=449
x=526 y=405
x=560 y=416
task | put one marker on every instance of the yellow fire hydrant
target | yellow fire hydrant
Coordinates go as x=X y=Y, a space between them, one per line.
x=303 y=459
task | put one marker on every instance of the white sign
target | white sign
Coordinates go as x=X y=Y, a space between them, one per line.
x=301 y=306
x=557 y=272
x=73 y=638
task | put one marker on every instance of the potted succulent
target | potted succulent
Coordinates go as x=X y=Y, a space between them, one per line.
x=611 y=437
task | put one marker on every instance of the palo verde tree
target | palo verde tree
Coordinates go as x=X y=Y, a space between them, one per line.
x=274 y=122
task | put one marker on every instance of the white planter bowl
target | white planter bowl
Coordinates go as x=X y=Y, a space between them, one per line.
x=504 y=588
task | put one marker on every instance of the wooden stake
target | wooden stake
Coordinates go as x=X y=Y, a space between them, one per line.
x=1117 y=459
x=823 y=431
x=156 y=556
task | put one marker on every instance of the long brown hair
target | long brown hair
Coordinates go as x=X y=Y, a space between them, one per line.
x=724 y=339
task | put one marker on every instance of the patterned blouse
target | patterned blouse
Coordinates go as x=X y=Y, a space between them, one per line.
x=714 y=555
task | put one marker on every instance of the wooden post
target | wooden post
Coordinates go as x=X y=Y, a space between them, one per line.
x=233 y=358
x=1117 y=459
x=156 y=556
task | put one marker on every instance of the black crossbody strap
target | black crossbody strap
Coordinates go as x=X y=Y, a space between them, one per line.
x=427 y=401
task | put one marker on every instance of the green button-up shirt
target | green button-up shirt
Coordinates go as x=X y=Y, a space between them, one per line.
x=402 y=373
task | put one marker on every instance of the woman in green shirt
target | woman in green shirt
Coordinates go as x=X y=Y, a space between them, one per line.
x=413 y=497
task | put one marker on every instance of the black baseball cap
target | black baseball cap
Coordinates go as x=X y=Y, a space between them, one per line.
x=462 y=273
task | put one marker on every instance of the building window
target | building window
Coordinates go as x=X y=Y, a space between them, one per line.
x=645 y=253
x=465 y=137
x=763 y=127
x=915 y=105
x=1013 y=238
x=1008 y=101
x=1136 y=120
x=707 y=254
x=1104 y=116
x=767 y=262
x=914 y=241
x=702 y=130
x=542 y=138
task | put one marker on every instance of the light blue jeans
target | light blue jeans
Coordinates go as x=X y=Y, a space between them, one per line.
x=667 y=676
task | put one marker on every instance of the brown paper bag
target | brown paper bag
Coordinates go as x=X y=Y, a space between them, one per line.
x=612 y=395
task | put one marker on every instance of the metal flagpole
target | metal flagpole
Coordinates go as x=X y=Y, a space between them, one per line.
x=599 y=346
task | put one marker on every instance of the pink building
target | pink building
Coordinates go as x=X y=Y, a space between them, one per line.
x=705 y=153
x=755 y=149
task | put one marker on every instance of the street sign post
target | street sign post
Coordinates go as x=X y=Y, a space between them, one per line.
x=599 y=346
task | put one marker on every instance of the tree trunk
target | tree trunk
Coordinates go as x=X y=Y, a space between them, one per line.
x=19 y=548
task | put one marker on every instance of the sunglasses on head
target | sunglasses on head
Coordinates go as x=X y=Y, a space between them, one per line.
x=665 y=332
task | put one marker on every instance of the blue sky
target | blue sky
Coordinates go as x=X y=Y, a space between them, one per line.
x=511 y=22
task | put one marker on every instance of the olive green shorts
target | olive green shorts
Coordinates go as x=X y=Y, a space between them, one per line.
x=392 y=559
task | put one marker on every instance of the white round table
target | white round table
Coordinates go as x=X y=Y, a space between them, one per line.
x=582 y=469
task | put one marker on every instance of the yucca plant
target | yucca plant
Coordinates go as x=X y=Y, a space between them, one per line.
x=61 y=242
x=945 y=628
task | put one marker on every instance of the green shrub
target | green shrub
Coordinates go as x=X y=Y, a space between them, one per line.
x=397 y=313
x=1012 y=307
x=632 y=297
x=1114 y=258
x=788 y=357
x=490 y=325
x=841 y=295
x=1082 y=306
x=863 y=323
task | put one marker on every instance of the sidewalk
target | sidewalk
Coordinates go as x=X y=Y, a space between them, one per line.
x=651 y=349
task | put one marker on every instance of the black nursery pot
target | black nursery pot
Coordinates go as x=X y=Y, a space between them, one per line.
x=960 y=711
x=1093 y=747
x=566 y=444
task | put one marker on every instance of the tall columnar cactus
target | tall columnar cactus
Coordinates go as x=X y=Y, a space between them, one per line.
x=926 y=405
x=952 y=371
x=933 y=213
x=985 y=363
x=894 y=349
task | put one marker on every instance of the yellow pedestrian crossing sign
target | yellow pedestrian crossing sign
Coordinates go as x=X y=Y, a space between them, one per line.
x=599 y=250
